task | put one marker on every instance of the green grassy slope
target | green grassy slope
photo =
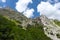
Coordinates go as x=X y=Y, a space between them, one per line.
x=10 y=31
x=57 y=22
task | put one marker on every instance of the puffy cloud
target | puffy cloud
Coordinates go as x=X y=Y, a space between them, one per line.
x=29 y=13
x=51 y=1
x=49 y=10
x=57 y=5
x=22 y=6
x=3 y=0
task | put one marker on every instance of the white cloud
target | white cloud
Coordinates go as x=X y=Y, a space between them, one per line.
x=56 y=1
x=57 y=5
x=3 y=0
x=21 y=5
x=49 y=10
x=29 y=13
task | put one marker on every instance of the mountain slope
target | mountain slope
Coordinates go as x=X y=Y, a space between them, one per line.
x=57 y=22
x=12 y=27
x=51 y=29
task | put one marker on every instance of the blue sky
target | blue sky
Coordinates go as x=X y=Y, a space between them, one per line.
x=34 y=8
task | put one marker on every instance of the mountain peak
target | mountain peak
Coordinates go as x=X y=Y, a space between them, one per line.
x=43 y=16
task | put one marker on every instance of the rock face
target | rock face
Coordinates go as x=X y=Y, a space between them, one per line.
x=14 y=15
x=50 y=28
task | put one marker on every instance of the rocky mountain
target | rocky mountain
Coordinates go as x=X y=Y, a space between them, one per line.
x=51 y=29
x=18 y=17
x=23 y=28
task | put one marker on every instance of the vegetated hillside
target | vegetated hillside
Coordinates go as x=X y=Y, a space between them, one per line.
x=57 y=22
x=9 y=30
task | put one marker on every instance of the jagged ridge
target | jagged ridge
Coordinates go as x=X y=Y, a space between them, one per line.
x=26 y=29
